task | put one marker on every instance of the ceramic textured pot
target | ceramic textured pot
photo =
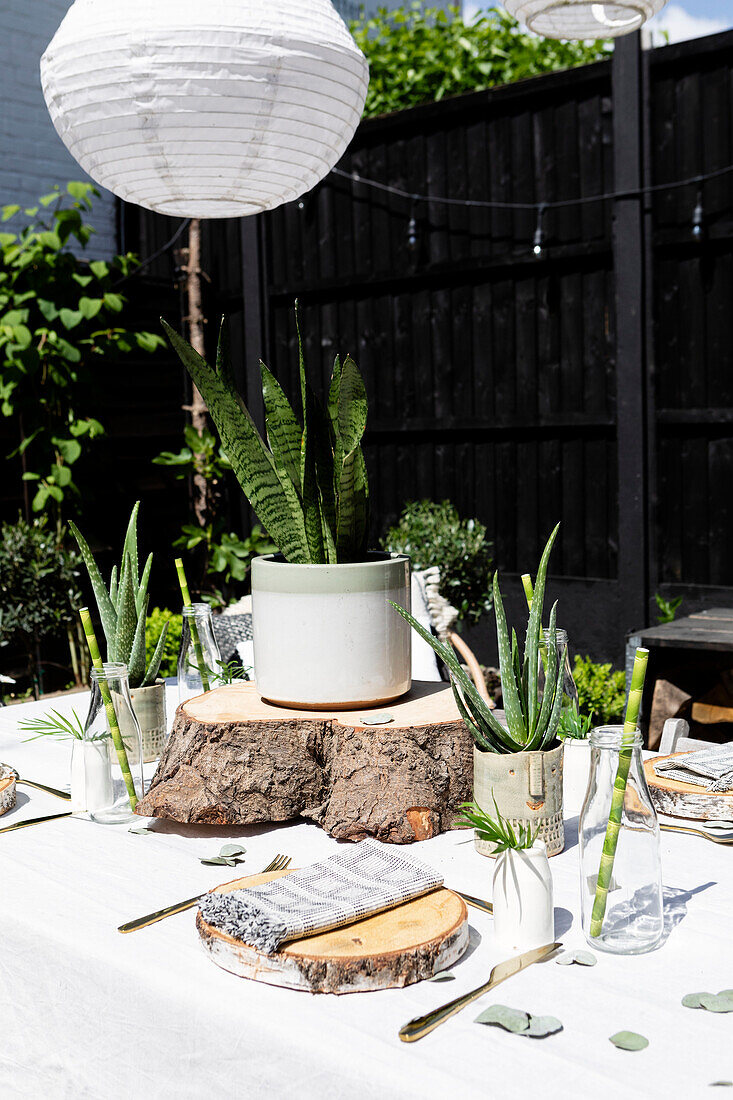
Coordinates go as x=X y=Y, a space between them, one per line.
x=523 y=905
x=326 y=636
x=576 y=772
x=527 y=787
x=149 y=705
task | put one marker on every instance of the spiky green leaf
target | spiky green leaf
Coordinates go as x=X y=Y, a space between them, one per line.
x=136 y=662
x=273 y=497
x=126 y=615
x=129 y=547
x=534 y=627
x=284 y=432
x=142 y=589
x=154 y=667
x=107 y=612
x=509 y=688
x=113 y=585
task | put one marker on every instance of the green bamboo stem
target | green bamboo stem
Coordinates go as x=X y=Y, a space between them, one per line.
x=109 y=707
x=608 y=854
x=197 y=648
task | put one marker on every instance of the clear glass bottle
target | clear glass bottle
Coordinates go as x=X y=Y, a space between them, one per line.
x=199 y=659
x=111 y=748
x=626 y=915
x=569 y=689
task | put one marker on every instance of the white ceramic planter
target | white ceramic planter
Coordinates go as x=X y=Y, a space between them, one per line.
x=527 y=787
x=523 y=902
x=326 y=635
x=576 y=771
x=91 y=780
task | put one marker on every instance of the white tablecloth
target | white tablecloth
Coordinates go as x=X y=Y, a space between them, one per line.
x=88 y=1013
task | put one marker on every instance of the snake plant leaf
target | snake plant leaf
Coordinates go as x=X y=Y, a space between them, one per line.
x=273 y=498
x=107 y=612
x=333 y=397
x=629 y=1040
x=320 y=437
x=509 y=691
x=129 y=547
x=136 y=660
x=142 y=588
x=511 y=1019
x=534 y=626
x=113 y=585
x=126 y=615
x=154 y=667
x=311 y=496
x=351 y=410
x=223 y=364
x=284 y=433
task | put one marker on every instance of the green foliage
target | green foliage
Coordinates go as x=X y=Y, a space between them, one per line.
x=601 y=691
x=573 y=724
x=228 y=556
x=39 y=582
x=433 y=533
x=123 y=606
x=202 y=454
x=496 y=829
x=155 y=624
x=54 y=724
x=667 y=608
x=532 y=722
x=59 y=323
x=418 y=55
x=309 y=486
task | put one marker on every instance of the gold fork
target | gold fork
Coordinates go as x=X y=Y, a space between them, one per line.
x=279 y=863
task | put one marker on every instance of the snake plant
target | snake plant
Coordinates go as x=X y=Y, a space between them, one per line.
x=308 y=483
x=531 y=721
x=123 y=607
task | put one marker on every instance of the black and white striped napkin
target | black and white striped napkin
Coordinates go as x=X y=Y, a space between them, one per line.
x=356 y=882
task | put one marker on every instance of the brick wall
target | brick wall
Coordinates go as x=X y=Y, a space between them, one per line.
x=32 y=156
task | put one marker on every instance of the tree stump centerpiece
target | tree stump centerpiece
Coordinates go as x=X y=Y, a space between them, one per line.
x=234 y=759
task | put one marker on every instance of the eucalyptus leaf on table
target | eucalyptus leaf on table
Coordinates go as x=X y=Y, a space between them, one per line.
x=229 y=856
x=629 y=1040
x=519 y=1022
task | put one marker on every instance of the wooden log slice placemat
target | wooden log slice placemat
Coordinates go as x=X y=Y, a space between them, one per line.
x=233 y=759
x=671 y=796
x=390 y=950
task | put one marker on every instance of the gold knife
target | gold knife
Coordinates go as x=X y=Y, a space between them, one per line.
x=33 y=821
x=422 y=1025
x=477 y=903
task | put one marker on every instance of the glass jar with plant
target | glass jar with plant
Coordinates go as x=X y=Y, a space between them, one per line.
x=122 y=610
x=324 y=632
x=521 y=760
x=522 y=898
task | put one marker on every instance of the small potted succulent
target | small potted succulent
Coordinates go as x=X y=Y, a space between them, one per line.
x=325 y=634
x=574 y=731
x=524 y=915
x=123 y=610
x=521 y=760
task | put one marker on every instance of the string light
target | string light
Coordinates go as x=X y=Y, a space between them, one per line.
x=697 y=218
x=538 y=233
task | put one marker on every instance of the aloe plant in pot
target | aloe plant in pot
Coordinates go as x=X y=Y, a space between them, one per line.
x=122 y=608
x=519 y=762
x=325 y=634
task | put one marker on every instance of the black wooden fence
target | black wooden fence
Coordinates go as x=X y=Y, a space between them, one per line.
x=591 y=384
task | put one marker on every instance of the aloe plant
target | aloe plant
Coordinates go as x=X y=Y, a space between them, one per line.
x=532 y=722
x=123 y=606
x=308 y=483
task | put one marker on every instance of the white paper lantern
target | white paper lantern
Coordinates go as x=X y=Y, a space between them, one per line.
x=205 y=108
x=579 y=20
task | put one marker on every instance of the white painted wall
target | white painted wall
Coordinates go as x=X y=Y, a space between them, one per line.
x=32 y=156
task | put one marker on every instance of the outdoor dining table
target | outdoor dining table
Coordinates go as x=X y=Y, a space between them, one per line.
x=87 y=1012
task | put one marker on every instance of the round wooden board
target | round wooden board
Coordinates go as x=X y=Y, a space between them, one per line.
x=670 y=796
x=392 y=949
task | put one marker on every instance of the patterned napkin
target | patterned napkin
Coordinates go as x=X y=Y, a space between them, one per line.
x=708 y=768
x=357 y=882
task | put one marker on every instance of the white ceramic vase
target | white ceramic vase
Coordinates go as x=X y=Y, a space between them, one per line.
x=576 y=771
x=327 y=636
x=91 y=782
x=523 y=903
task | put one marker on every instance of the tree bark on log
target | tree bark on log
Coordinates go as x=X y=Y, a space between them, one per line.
x=234 y=759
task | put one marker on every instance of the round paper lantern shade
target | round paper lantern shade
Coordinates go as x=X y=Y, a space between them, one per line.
x=205 y=108
x=577 y=19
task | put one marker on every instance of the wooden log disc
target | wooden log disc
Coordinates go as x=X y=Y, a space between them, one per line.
x=387 y=951
x=671 y=796
x=7 y=789
x=234 y=759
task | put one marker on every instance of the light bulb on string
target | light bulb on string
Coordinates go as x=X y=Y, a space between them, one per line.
x=539 y=236
x=698 y=218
